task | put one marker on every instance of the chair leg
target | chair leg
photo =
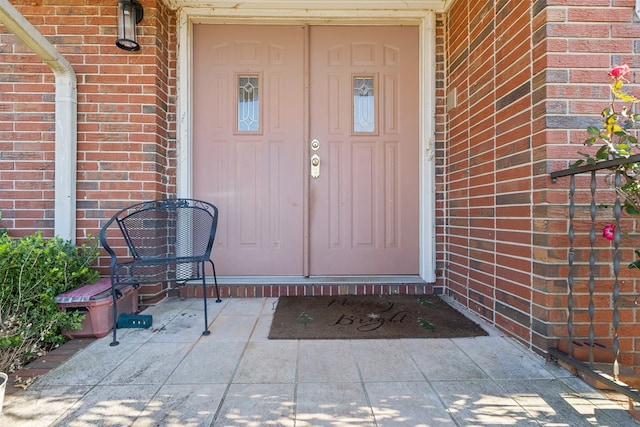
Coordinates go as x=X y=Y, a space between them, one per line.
x=204 y=295
x=215 y=281
x=204 y=299
x=114 y=342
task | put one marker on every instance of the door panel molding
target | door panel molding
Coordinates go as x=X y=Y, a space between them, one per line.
x=424 y=19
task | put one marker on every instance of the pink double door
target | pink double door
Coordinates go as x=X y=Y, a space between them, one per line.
x=306 y=138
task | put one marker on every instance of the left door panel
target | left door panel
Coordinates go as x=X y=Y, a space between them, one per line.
x=248 y=144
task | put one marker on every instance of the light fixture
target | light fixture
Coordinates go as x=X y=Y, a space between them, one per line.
x=130 y=13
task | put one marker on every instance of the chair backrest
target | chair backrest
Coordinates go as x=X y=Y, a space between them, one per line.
x=169 y=228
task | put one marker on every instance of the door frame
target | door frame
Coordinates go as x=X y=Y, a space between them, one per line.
x=424 y=19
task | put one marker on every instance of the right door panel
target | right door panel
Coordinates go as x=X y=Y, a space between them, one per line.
x=364 y=205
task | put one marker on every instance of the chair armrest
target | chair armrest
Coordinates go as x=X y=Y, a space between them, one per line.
x=103 y=241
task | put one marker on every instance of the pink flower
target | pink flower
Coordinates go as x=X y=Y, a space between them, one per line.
x=608 y=231
x=619 y=71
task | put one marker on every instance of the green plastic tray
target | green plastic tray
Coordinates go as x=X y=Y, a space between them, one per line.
x=134 y=321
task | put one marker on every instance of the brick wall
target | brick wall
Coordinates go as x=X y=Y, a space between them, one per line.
x=126 y=114
x=576 y=44
x=489 y=161
x=529 y=77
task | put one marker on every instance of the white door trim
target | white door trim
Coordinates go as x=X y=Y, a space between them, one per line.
x=425 y=19
x=312 y=7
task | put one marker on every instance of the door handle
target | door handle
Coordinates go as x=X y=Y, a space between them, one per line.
x=315 y=166
x=315 y=159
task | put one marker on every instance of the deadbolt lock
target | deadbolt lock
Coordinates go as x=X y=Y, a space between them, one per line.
x=315 y=145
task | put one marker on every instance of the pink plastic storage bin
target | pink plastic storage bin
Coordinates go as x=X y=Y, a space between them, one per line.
x=96 y=302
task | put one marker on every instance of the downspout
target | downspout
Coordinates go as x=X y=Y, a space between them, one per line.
x=66 y=119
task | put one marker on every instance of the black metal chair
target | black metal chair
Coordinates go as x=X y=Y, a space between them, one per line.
x=161 y=241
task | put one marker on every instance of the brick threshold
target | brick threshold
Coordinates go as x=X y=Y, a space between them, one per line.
x=325 y=280
x=270 y=287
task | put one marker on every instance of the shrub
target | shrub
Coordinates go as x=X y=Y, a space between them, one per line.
x=33 y=271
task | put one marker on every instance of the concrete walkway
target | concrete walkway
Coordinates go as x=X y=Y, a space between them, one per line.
x=170 y=375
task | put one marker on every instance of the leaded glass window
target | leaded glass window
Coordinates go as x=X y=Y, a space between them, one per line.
x=248 y=104
x=363 y=105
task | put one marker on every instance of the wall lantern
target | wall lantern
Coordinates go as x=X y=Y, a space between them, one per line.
x=130 y=13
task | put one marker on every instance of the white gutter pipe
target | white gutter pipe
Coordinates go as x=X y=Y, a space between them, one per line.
x=66 y=117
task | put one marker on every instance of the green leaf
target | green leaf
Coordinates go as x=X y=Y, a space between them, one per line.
x=631 y=209
x=636 y=263
x=593 y=130
x=576 y=164
x=304 y=319
x=425 y=302
x=425 y=324
x=602 y=153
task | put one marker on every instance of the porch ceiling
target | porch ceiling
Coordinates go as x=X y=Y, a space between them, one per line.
x=304 y=6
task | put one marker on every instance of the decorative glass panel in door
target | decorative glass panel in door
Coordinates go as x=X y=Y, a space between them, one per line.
x=248 y=104
x=363 y=105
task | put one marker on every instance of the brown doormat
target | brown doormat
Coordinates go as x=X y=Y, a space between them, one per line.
x=369 y=316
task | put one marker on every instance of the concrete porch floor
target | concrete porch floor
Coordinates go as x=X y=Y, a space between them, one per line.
x=170 y=375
